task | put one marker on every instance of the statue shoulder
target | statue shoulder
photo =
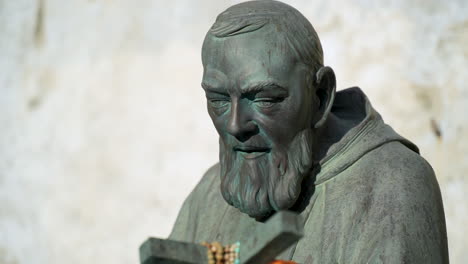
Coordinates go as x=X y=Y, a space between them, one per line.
x=403 y=184
x=396 y=163
x=395 y=205
x=208 y=182
x=212 y=172
x=187 y=220
x=210 y=177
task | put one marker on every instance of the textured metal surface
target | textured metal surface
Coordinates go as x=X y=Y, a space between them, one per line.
x=162 y=251
x=278 y=233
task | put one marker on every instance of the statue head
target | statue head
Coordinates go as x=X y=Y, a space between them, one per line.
x=267 y=93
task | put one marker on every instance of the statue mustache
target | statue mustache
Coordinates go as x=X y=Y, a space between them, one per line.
x=253 y=143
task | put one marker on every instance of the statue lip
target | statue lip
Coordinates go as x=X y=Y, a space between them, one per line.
x=251 y=152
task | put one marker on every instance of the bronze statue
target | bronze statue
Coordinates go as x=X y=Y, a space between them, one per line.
x=289 y=141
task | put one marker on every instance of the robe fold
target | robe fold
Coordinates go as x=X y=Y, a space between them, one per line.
x=373 y=199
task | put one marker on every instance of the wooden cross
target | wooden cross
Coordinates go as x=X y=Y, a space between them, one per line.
x=269 y=240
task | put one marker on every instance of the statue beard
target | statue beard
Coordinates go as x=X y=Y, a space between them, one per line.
x=268 y=183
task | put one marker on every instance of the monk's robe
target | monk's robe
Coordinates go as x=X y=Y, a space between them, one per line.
x=372 y=199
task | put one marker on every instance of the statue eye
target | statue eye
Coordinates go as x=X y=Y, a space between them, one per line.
x=218 y=103
x=265 y=102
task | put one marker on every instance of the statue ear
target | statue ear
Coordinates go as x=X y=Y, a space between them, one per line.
x=325 y=91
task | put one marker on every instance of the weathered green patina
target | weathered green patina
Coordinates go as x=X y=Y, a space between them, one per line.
x=261 y=247
x=288 y=141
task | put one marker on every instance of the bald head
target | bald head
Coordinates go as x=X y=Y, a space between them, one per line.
x=289 y=23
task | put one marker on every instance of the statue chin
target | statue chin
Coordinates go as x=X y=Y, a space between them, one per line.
x=271 y=182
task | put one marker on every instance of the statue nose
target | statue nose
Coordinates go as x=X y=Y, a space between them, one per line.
x=239 y=125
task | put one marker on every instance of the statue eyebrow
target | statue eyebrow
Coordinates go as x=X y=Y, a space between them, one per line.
x=212 y=89
x=255 y=88
x=264 y=86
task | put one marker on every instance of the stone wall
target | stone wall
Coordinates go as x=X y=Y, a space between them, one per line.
x=103 y=129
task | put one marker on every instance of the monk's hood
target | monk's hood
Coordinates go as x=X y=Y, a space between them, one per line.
x=352 y=104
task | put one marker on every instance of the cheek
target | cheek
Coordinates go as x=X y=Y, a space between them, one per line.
x=299 y=110
x=218 y=120
x=285 y=122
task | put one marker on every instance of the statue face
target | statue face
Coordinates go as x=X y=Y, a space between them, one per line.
x=255 y=88
x=257 y=100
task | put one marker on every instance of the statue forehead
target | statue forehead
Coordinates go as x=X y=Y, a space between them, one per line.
x=258 y=55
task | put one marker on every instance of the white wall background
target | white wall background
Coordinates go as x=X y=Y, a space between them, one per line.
x=103 y=130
